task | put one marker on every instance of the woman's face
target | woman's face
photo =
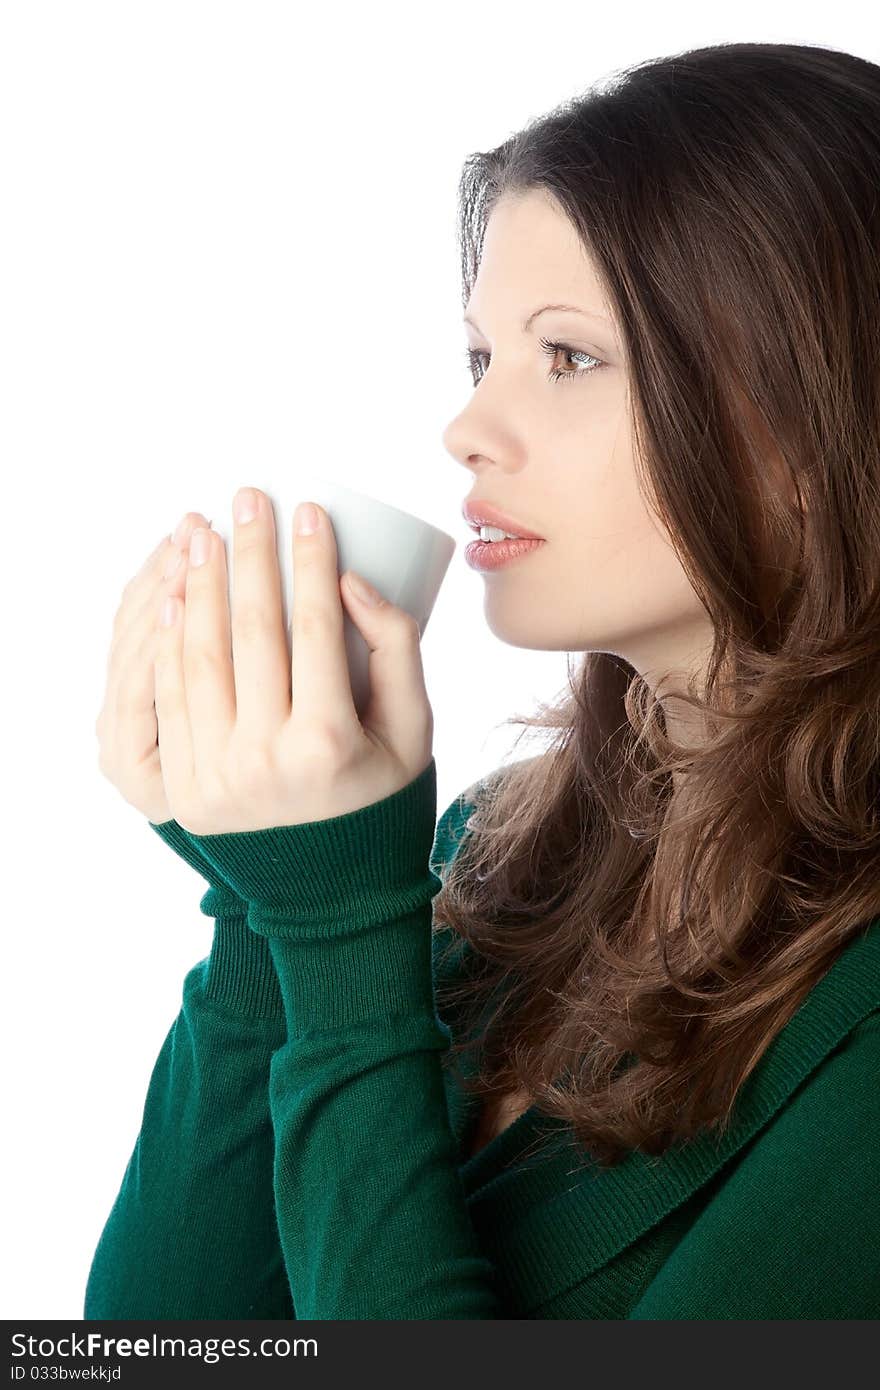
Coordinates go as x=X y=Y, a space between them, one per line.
x=557 y=457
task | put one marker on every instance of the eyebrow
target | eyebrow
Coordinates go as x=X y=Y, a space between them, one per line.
x=564 y=308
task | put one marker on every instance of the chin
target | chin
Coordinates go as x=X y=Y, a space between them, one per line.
x=516 y=630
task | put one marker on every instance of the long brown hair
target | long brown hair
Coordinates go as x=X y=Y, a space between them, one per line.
x=642 y=918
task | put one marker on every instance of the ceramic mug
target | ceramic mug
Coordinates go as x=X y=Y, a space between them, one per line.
x=404 y=557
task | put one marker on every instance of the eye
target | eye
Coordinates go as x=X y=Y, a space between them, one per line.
x=474 y=359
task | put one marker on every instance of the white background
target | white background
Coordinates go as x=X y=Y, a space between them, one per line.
x=227 y=240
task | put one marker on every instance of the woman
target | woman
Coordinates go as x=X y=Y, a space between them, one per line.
x=656 y=946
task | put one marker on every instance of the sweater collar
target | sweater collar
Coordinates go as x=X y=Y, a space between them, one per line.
x=596 y=1213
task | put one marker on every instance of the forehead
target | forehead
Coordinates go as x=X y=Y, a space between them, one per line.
x=532 y=254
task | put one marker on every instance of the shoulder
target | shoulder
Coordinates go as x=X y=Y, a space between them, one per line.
x=825 y=1137
x=450 y=831
x=838 y=1105
x=820 y=1154
x=792 y=1225
x=448 y=948
x=452 y=824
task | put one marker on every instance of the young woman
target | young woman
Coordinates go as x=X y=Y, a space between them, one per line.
x=652 y=951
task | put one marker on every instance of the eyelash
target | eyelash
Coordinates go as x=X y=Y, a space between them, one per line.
x=472 y=356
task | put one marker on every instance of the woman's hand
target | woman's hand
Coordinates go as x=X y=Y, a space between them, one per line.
x=126 y=726
x=252 y=739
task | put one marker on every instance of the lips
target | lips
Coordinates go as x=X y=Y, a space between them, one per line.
x=477 y=514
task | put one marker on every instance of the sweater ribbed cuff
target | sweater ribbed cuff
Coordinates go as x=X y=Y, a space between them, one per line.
x=240 y=972
x=221 y=900
x=336 y=877
x=344 y=906
x=371 y=977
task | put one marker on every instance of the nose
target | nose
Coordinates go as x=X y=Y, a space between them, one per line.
x=480 y=434
x=458 y=440
x=447 y=436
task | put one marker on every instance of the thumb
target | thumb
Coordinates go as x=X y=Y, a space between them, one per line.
x=399 y=709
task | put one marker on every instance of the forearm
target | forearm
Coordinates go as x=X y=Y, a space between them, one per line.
x=371 y=1212
x=192 y=1233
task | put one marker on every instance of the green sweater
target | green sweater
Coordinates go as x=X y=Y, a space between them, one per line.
x=301 y=1152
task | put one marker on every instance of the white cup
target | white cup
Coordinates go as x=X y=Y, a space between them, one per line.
x=405 y=557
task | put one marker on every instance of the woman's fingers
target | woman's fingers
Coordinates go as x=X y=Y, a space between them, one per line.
x=320 y=680
x=147 y=583
x=130 y=667
x=261 y=659
x=199 y=686
x=138 y=610
x=126 y=726
x=130 y=678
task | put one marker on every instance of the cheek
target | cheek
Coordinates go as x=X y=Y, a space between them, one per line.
x=599 y=591
x=626 y=586
x=608 y=579
x=623 y=566
x=608 y=575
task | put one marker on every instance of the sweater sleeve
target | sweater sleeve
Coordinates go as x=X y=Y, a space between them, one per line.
x=370 y=1206
x=192 y=1232
x=793 y=1230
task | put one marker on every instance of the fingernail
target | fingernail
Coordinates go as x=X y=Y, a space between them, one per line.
x=244 y=505
x=305 y=519
x=179 y=530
